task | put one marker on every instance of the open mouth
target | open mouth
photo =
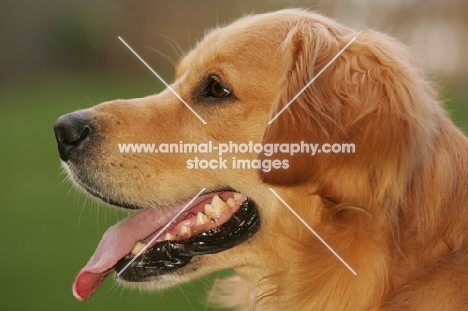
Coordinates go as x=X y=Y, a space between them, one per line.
x=212 y=223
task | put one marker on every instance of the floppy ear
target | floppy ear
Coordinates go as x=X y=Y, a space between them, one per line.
x=306 y=49
x=370 y=97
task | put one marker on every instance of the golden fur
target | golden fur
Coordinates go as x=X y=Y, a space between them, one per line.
x=395 y=210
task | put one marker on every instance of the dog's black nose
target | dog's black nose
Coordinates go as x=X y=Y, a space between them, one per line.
x=70 y=131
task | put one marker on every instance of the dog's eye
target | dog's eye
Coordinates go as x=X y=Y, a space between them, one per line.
x=216 y=90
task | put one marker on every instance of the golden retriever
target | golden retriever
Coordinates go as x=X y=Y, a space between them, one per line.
x=394 y=210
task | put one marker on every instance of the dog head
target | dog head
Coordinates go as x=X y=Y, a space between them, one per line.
x=237 y=80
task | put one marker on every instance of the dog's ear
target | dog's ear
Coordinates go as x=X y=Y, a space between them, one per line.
x=371 y=97
x=306 y=50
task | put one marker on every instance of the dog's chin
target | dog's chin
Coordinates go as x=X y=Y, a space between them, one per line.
x=192 y=271
x=161 y=245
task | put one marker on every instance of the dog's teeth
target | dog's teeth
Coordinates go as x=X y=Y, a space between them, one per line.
x=137 y=248
x=169 y=237
x=185 y=230
x=238 y=196
x=209 y=209
x=201 y=219
x=218 y=204
x=231 y=202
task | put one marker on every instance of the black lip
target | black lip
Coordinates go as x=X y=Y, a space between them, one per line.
x=131 y=206
x=170 y=255
x=107 y=199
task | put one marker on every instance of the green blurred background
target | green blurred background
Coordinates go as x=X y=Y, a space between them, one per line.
x=59 y=56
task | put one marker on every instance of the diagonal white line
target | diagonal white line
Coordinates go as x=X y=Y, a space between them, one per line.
x=162 y=80
x=313 y=231
x=161 y=231
x=312 y=81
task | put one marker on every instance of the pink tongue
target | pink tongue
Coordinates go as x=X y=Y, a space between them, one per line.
x=115 y=244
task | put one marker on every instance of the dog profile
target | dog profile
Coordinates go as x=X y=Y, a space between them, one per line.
x=394 y=210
